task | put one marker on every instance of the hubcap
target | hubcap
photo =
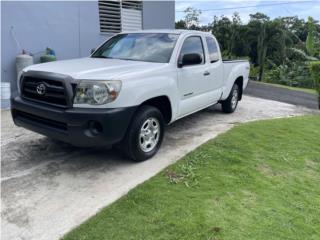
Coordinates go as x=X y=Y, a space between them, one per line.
x=149 y=134
x=234 y=99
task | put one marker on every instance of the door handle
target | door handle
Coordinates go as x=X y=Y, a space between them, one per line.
x=206 y=73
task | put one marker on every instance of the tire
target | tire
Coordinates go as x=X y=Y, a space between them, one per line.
x=141 y=141
x=230 y=104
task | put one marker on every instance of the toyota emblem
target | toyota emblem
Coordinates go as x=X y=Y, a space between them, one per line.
x=41 y=89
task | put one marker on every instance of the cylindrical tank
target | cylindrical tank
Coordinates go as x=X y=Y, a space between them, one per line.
x=23 y=60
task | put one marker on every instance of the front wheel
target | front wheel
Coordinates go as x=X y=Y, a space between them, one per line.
x=145 y=134
x=230 y=104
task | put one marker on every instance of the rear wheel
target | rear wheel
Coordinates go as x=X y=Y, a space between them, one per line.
x=230 y=104
x=145 y=134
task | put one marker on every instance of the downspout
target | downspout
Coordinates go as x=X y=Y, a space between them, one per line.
x=79 y=29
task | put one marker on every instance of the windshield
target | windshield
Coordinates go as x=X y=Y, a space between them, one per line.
x=147 y=47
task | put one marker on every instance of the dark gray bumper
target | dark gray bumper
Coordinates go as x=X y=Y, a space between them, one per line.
x=77 y=126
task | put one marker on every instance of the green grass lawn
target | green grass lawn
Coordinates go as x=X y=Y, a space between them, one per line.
x=307 y=90
x=260 y=180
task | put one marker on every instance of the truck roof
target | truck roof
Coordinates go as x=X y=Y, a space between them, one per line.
x=173 y=31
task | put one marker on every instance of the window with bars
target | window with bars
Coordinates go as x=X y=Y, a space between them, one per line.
x=117 y=16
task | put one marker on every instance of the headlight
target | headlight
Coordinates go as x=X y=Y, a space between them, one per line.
x=97 y=92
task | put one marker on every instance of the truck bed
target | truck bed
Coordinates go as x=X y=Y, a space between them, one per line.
x=232 y=69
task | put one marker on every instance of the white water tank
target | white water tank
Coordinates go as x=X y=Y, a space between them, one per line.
x=22 y=61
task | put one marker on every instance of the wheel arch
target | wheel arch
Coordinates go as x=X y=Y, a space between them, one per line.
x=239 y=82
x=163 y=104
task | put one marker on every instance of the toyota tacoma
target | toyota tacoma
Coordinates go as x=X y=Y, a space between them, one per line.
x=130 y=87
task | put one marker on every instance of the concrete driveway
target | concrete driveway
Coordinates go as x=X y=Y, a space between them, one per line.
x=50 y=187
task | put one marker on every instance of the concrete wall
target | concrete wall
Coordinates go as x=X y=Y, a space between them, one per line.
x=71 y=28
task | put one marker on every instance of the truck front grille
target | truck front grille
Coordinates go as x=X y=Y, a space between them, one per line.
x=54 y=93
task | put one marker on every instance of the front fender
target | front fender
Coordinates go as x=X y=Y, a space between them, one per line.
x=135 y=92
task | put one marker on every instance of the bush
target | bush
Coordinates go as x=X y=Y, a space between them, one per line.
x=294 y=74
x=277 y=75
x=315 y=72
x=254 y=73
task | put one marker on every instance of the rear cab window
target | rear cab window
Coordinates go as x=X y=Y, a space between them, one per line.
x=213 y=49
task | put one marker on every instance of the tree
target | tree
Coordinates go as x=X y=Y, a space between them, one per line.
x=237 y=45
x=258 y=27
x=310 y=42
x=221 y=28
x=269 y=39
x=315 y=71
x=231 y=34
x=279 y=49
x=296 y=28
x=181 y=24
x=262 y=47
x=192 y=18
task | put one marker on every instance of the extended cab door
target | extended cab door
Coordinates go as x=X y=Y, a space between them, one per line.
x=215 y=69
x=192 y=79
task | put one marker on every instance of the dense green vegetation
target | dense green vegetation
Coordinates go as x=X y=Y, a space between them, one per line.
x=315 y=72
x=258 y=181
x=279 y=49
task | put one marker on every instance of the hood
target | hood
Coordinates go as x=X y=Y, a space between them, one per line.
x=96 y=68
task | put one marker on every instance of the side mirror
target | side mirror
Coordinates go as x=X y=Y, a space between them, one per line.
x=93 y=50
x=190 y=59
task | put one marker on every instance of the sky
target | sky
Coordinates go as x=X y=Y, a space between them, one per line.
x=300 y=8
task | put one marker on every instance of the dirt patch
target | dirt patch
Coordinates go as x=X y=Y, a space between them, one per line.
x=265 y=170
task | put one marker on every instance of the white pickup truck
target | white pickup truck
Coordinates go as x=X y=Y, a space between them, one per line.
x=128 y=90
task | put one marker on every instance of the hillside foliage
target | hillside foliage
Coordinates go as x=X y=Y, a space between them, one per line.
x=280 y=50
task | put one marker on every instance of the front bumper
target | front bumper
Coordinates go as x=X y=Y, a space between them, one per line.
x=77 y=126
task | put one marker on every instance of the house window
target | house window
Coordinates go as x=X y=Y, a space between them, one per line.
x=117 y=16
